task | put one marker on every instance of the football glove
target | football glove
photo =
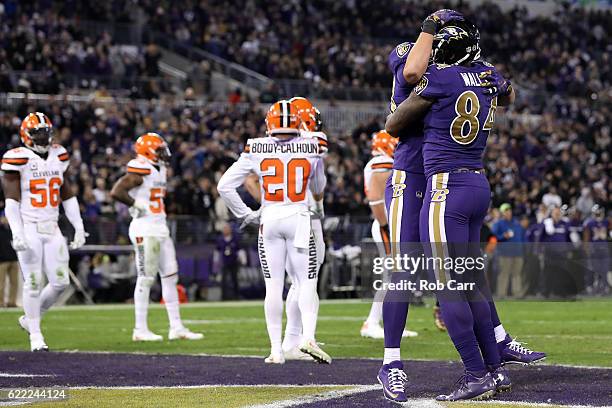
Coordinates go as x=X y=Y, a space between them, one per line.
x=20 y=244
x=435 y=21
x=252 y=218
x=494 y=83
x=79 y=239
x=138 y=209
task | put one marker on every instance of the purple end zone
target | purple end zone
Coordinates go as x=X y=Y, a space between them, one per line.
x=560 y=385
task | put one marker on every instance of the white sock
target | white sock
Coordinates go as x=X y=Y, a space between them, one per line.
x=48 y=297
x=141 y=303
x=308 y=300
x=391 y=354
x=500 y=333
x=273 y=308
x=31 y=308
x=171 y=299
x=293 y=329
x=375 y=315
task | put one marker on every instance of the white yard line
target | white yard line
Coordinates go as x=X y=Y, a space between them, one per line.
x=17 y=375
x=306 y=399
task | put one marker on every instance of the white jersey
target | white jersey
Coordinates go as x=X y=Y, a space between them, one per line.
x=151 y=193
x=286 y=169
x=41 y=181
x=377 y=164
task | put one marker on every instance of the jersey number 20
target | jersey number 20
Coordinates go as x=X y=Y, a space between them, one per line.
x=466 y=125
x=288 y=178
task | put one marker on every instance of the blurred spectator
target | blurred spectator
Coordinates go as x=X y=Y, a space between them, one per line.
x=557 y=280
x=228 y=258
x=9 y=268
x=510 y=237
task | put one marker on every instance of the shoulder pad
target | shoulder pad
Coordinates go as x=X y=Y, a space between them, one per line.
x=17 y=156
x=139 y=166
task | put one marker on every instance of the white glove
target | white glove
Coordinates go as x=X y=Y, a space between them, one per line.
x=138 y=209
x=20 y=244
x=317 y=209
x=79 y=239
x=252 y=218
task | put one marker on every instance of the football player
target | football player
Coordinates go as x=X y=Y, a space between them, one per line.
x=34 y=183
x=287 y=166
x=408 y=62
x=375 y=175
x=143 y=189
x=458 y=193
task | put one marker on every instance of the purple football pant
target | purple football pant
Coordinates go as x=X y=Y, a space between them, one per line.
x=403 y=198
x=453 y=211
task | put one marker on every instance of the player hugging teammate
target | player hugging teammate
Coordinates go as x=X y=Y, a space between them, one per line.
x=288 y=164
x=442 y=114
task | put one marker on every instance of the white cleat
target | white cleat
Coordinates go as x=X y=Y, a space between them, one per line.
x=23 y=322
x=311 y=348
x=409 y=333
x=372 y=331
x=274 y=358
x=295 y=354
x=37 y=343
x=145 y=335
x=184 y=334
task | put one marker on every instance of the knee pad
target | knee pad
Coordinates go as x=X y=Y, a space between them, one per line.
x=145 y=281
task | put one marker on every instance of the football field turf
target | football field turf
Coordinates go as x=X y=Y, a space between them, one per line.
x=573 y=333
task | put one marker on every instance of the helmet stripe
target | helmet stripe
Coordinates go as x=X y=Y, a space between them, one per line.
x=41 y=117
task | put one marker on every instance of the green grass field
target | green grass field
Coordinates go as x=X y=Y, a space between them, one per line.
x=576 y=333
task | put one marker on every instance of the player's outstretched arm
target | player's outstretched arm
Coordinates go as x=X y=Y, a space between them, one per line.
x=408 y=112
x=73 y=213
x=11 y=185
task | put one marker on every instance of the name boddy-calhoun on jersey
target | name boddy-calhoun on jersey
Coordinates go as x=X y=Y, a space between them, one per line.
x=287 y=166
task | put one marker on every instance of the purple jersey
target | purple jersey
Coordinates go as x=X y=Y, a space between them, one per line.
x=408 y=155
x=598 y=229
x=459 y=121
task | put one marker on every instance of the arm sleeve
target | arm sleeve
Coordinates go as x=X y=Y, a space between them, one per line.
x=318 y=181
x=73 y=213
x=230 y=181
x=13 y=215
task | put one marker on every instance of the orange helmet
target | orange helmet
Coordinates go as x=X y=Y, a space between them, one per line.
x=310 y=116
x=152 y=147
x=383 y=143
x=282 y=117
x=36 y=131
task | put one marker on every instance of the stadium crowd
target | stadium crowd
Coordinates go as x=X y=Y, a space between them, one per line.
x=346 y=43
x=555 y=141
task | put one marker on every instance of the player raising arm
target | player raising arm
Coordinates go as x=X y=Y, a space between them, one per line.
x=143 y=189
x=34 y=183
x=287 y=166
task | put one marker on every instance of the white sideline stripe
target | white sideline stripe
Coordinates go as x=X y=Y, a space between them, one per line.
x=142 y=353
x=17 y=375
x=203 y=386
x=317 y=398
x=204 y=305
x=533 y=404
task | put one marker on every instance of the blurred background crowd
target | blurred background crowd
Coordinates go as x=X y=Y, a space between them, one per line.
x=551 y=149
